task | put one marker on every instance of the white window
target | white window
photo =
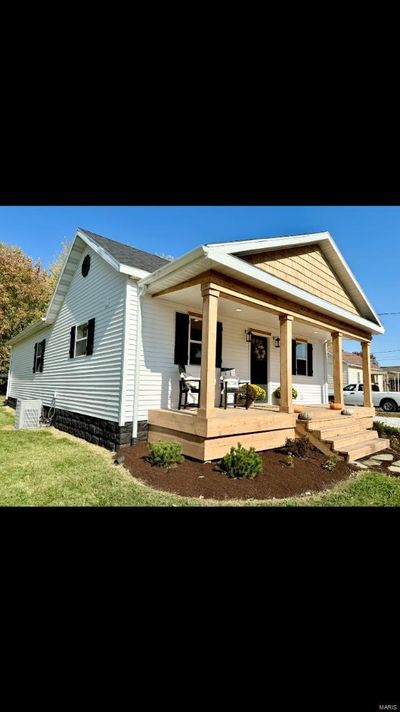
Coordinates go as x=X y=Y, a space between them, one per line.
x=81 y=339
x=195 y=336
x=301 y=358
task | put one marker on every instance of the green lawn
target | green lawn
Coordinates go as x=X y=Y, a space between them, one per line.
x=49 y=469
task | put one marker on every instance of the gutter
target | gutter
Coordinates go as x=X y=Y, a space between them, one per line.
x=175 y=265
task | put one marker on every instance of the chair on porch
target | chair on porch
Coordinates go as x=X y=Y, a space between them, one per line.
x=230 y=385
x=187 y=384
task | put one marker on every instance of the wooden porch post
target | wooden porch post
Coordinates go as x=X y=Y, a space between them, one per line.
x=337 y=366
x=286 y=363
x=208 y=351
x=366 y=364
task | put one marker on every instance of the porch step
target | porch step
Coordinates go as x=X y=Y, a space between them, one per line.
x=342 y=443
x=328 y=430
x=366 y=448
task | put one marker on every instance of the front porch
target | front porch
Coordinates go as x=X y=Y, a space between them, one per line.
x=208 y=432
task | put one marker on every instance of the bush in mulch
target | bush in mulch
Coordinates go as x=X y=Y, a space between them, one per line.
x=204 y=479
x=240 y=462
x=168 y=454
x=299 y=447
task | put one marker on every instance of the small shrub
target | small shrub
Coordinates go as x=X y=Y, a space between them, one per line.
x=277 y=393
x=395 y=442
x=299 y=447
x=240 y=462
x=290 y=460
x=386 y=430
x=168 y=454
x=330 y=464
x=305 y=415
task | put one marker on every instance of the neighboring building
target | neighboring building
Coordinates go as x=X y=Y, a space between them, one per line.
x=353 y=371
x=391 y=378
x=121 y=321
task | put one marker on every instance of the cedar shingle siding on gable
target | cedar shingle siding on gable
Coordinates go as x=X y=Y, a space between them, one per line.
x=304 y=267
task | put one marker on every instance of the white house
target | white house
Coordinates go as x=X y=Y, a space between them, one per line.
x=120 y=321
x=353 y=371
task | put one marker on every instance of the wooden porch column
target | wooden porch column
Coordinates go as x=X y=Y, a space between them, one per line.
x=366 y=364
x=286 y=323
x=208 y=351
x=337 y=338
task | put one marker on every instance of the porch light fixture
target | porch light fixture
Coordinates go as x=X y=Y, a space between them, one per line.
x=277 y=342
x=248 y=336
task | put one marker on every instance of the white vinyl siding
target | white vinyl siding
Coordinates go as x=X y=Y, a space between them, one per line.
x=89 y=385
x=159 y=375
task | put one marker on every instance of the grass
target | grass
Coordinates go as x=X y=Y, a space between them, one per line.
x=50 y=468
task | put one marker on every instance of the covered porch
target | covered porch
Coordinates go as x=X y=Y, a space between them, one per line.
x=208 y=432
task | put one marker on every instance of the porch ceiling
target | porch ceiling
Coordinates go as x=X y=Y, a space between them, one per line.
x=191 y=300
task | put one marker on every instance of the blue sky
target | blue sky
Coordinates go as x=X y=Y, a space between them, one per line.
x=368 y=237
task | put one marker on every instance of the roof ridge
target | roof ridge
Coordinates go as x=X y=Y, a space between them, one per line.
x=118 y=242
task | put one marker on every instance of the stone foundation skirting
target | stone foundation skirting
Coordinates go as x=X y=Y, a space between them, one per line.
x=105 y=433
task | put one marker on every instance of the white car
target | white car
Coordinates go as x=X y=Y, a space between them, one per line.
x=386 y=400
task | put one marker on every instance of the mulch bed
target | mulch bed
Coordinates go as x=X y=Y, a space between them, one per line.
x=195 y=479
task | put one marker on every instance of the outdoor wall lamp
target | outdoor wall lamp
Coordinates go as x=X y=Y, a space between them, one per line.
x=248 y=336
x=277 y=342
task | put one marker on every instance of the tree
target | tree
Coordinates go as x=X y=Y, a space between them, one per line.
x=25 y=290
x=58 y=262
x=374 y=360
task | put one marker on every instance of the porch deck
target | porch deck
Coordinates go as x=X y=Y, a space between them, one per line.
x=208 y=438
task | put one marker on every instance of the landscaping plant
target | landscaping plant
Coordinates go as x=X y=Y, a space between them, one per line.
x=386 y=430
x=165 y=454
x=330 y=464
x=299 y=447
x=240 y=462
x=277 y=393
x=290 y=460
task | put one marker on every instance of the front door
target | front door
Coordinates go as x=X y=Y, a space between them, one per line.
x=259 y=363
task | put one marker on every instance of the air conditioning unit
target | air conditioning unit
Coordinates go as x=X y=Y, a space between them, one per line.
x=28 y=413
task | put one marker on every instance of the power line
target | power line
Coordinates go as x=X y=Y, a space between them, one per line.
x=387 y=313
x=391 y=351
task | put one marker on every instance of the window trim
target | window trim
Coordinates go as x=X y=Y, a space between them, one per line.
x=38 y=357
x=301 y=341
x=83 y=323
x=194 y=341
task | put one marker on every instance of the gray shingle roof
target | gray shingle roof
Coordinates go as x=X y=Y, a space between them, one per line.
x=127 y=255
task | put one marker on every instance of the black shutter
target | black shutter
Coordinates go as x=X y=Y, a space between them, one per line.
x=309 y=359
x=181 y=338
x=90 y=337
x=218 y=352
x=72 y=343
x=294 y=365
x=34 y=359
x=42 y=359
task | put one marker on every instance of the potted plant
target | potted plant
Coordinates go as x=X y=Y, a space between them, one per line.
x=277 y=393
x=248 y=393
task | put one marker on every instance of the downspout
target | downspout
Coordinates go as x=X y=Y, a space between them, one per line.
x=9 y=375
x=326 y=376
x=140 y=291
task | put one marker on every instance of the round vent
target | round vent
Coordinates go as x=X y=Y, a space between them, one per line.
x=86 y=265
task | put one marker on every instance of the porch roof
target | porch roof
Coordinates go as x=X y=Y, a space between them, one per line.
x=224 y=258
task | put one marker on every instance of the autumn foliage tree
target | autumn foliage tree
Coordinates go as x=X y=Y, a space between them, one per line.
x=25 y=290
